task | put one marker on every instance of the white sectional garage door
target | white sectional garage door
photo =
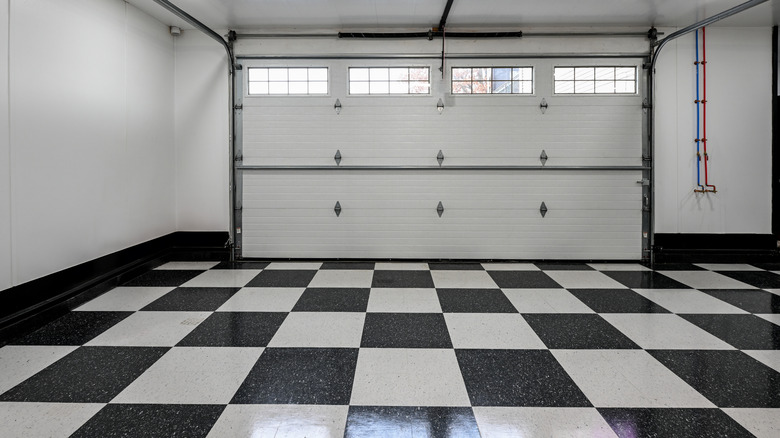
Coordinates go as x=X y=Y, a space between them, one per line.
x=490 y=184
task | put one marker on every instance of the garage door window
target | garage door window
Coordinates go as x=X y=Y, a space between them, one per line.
x=389 y=80
x=595 y=80
x=288 y=81
x=492 y=80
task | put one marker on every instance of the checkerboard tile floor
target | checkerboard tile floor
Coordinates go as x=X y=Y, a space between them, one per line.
x=407 y=349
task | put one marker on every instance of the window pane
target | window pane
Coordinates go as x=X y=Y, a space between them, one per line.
x=480 y=87
x=399 y=74
x=502 y=87
x=481 y=73
x=564 y=74
x=379 y=74
x=298 y=74
x=379 y=87
x=583 y=87
x=277 y=87
x=564 y=87
x=502 y=74
x=298 y=87
x=358 y=74
x=277 y=74
x=258 y=88
x=318 y=88
x=461 y=74
x=583 y=73
x=358 y=88
x=527 y=87
x=625 y=87
x=399 y=87
x=419 y=87
x=258 y=74
x=418 y=74
x=605 y=73
x=461 y=87
x=625 y=73
x=318 y=74
x=523 y=74
x=605 y=87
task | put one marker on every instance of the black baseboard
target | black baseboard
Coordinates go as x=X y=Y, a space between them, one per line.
x=715 y=248
x=30 y=304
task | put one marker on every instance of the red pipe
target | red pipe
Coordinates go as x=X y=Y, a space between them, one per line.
x=704 y=108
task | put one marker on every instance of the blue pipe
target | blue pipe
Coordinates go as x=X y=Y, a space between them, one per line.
x=698 y=118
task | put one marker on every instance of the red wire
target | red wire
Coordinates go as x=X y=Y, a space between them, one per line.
x=704 y=106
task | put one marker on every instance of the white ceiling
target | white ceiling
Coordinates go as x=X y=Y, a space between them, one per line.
x=307 y=15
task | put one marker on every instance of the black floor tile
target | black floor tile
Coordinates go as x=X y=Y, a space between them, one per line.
x=517 y=378
x=163 y=278
x=87 y=375
x=728 y=378
x=563 y=266
x=757 y=279
x=235 y=329
x=389 y=421
x=474 y=301
x=405 y=330
x=192 y=299
x=241 y=265
x=577 y=331
x=768 y=266
x=753 y=301
x=523 y=279
x=672 y=423
x=744 y=332
x=455 y=266
x=74 y=328
x=320 y=376
x=348 y=265
x=616 y=301
x=333 y=300
x=283 y=278
x=410 y=279
x=677 y=267
x=138 y=420
x=644 y=280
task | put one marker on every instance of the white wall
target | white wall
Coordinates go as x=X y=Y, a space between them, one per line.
x=5 y=168
x=91 y=155
x=739 y=134
x=202 y=134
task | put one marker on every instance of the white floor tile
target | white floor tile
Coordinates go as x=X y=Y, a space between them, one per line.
x=125 y=299
x=771 y=317
x=705 y=280
x=545 y=301
x=727 y=267
x=391 y=266
x=52 y=420
x=404 y=301
x=408 y=377
x=281 y=421
x=463 y=280
x=192 y=375
x=342 y=278
x=223 y=278
x=255 y=299
x=687 y=301
x=627 y=378
x=584 y=280
x=504 y=422
x=320 y=329
x=763 y=423
x=20 y=362
x=150 y=329
x=489 y=330
x=189 y=266
x=654 y=331
x=510 y=267
x=618 y=267
x=293 y=265
x=770 y=358
x=774 y=291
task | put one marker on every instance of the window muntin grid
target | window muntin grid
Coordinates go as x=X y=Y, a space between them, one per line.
x=389 y=80
x=492 y=80
x=288 y=81
x=595 y=80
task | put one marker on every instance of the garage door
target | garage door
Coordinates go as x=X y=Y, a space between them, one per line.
x=384 y=158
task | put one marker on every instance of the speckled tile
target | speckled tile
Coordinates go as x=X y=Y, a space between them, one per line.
x=192 y=299
x=223 y=278
x=19 y=363
x=74 y=328
x=728 y=267
x=523 y=280
x=664 y=332
x=616 y=301
x=490 y=330
x=333 y=300
x=235 y=329
x=128 y=299
x=282 y=278
x=448 y=279
x=672 y=423
x=770 y=358
x=627 y=378
x=321 y=376
x=545 y=301
x=402 y=278
x=455 y=266
x=730 y=379
x=582 y=331
x=294 y=266
x=775 y=266
x=687 y=301
x=504 y=422
x=474 y=301
x=153 y=420
x=584 y=280
x=759 y=280
x=192 y=375
x=320 y=329
x=187 y=266
x=150 y=329
x=707 y=279
x=745 y=332
x=52 y=420
x=509 y=267
x=408 y=377
x=774 y=318
x=405 y=330
x=618 y=267
x=752 y=300
x=281 y=421
x=563 y=266
x=401 y=266
x=242 y=265
x=677 y=267
x=644 y=280
x=517 y=378
x=341 y=278
x=266 y=299
x=87 y=375
x=763 y=423
x=348 y=265
x=388 y=300
x=163 y=278
x=401 y=421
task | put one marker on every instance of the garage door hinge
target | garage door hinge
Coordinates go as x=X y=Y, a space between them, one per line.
x=239 y=208
x=238 y=107
x=239 y=158
x=644 y=182
x=646 y=104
